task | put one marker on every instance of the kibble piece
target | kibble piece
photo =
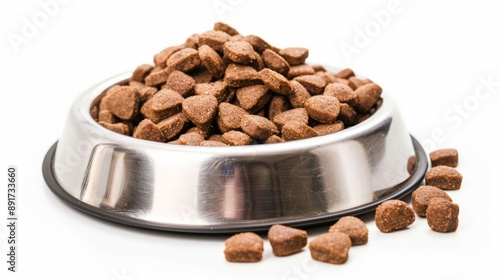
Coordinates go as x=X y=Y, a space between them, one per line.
x=212 y=61
x=239 y=52
x=214 y=39
x=328 y=128
x=444 y=177
x=422 y=195
x=191 y=138
x=258 y=127
x=229 y=117
x=163 y=104
x=106 y=116
x=275 y=81
x=136 y=84
x=212 y=143
x=294 y=56
x=236 y=138
x=448 y=157
x=278 y=104
x=274 y=139
x=366 y=97
x=442 y=215
x=411 y=164
x=141 y=72
x=345 y=73
x=342 y=92
x=184 y=60
x=241 y=76
x=218 y=89
x=354 y=227
x=160 y=59
x=172 y=126
x=275 y=62
x=354 y=82
x=314 y=84
x=347 y=114
x=201 y=75
x=258 y=44
x=117 y=127
x=253 y=98
x=299 y=70
x=244 y=247
x=299 y=95
x=298 y=114
x=296 y=130
x=157 y=78
x=220 y=26
x=192 y=41
x=393 y=215
x=332 y=247
x=124 y=102
x=146 y=93
x=286 y=240
x=200 y=109
x=323 y=108
x=180 y=82
x=148 y=130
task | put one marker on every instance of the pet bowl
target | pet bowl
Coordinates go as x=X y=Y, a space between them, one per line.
x=231 y=189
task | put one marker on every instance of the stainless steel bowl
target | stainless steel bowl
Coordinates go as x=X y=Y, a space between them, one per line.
x=230 y=189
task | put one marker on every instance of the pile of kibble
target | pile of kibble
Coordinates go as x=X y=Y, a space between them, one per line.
x=221 y=88
x=429 y=201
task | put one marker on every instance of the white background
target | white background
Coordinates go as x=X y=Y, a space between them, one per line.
x=430 y=55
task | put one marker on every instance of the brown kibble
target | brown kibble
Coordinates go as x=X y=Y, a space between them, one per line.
x=200 y=109
x=239 y=52
x=229 y=117
x=181 y=83
x=241 y=76
x=347 y=114
x=354 y=227
x=275 y=62
x=298 y=114
x=366 y=97
x=172 y=126
x=296 y=130
x=294 y=56
x=275 y=81
x=106 y=116
x=124 y=102
x=345 y=73
x=212 y=143
x=244 y=247
x=117 y=127
x=314 y=84
x=192 y=41
x=448 y=157
x=299 y=96
x=191 y=138
x=393 y=215
x=160 y=59
x=342 y=92
x=300 y=70
x=328 y=128
x=258 y=127
x=236 y=138
x=422 y=195
x=184 y=60
x=218 y=89
x=442 y=215
x=274 y=139
x=444 y=177
x=332 y=247
x=141 y=72
x=137 y=85
x=201 y=75
x=354 y=83
x=411 y=164
x=212 y=61
x=146 y=93
x=163 y=104
x=220 y=26
x=323 y=108
x=214 y=39
x=253 y=98
x=157 y=78
x=278 y=104
x=286 y=240
x=258 y=44
x=148 y=130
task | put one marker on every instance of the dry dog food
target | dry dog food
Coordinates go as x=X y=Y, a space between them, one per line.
x=393 y=215
x=442 y=215
x=422 y=195
x=332 y=247
x=353 y=227
x=227 y=84
x=244 y=247
x=285 y=240
x=444 y=177
x=448 y=157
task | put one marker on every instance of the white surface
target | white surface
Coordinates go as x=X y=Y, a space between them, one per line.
x=430 y=55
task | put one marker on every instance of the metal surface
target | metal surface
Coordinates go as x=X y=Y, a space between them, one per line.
x=228 y=189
